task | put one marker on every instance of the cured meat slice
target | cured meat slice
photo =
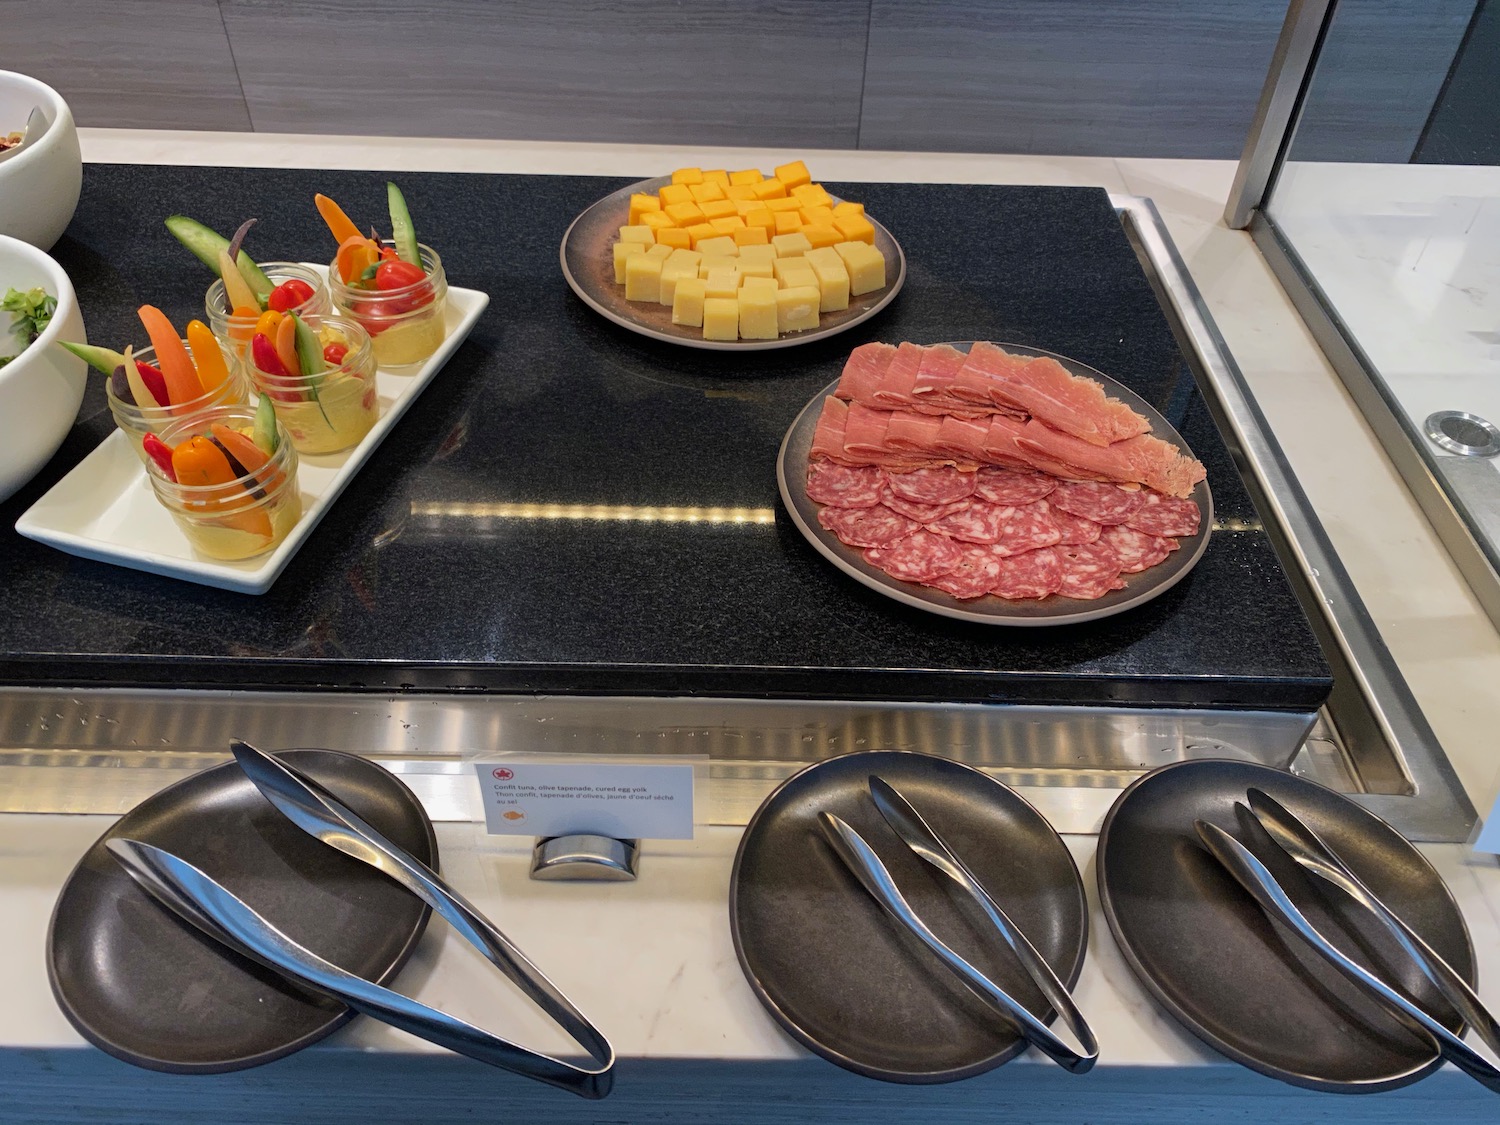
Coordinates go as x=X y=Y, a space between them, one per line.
x=1089 y=571
x=920 y=557
x=844 y=486
x=828 y=436
x=939 y=367
x=912 y=432
x=863 y=371
x=1137 y=550
x=974 y=575
x=963 y=438
x=922 y=513
x=1167 y=516
x=1008 y=486
x=865 y=430
x=866 y=527
x=978 y=522
x=933 y=486
x=1026 y=528
x=1142 y=459
x=1075 y=529
x=1102 y=503
x=1034 y=574
x=1049 y=391
x=895 y=389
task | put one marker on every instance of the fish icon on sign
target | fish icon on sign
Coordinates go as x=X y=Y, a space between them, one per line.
x=513 y=814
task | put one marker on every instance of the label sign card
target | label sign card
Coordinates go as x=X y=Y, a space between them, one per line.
x=636 y=801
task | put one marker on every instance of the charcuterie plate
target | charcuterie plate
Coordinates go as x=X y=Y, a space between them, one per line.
x=1142 y=587
x=589 y=267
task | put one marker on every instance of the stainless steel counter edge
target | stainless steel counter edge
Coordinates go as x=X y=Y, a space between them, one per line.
x=1405 y=774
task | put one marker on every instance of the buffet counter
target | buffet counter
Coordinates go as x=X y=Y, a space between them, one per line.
x=652 y=962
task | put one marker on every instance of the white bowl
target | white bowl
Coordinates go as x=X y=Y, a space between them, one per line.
x=39 y=185
x=40 y=391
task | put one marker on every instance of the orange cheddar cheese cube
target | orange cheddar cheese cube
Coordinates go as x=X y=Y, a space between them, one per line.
x=675 y=193
x=788 y=222
x=816 y=216
x=785 y=203
x=688 y=176
x=750 y=236
x=761 y=217
x=716 y=176
x=675 y=237
x=740 y=191
x=793 y=174
x=848 y=208
x=817 y=236
x=640 y=203
x=685 y=214
x=717 y=208
x=727 y=225
x=657 y=220
x=745 y=177
x=855 y=228
x=770 y=189
x=709 y=189
x=700 y=231
x=811 y=195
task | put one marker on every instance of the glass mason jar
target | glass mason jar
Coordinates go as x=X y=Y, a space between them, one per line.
x=237 y=330
x=406 y=325
x=331 y=411
x=237 y=519
x=138 y=421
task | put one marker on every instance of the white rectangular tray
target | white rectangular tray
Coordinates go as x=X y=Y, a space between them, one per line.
x=105 y=509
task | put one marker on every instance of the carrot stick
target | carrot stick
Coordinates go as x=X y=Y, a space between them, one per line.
x=172 y=357
x=213 y=373
x=338 y=222
x=286 y=345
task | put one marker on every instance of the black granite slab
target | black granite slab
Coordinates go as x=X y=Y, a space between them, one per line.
x=414 y=581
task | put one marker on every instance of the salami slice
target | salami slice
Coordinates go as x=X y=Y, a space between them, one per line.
x=979 y=522
x=1089 y=571
x=1075 y=529
x=866 y=527
x=1035 y=574
x=1137 y=550
x=1007 y=486
x=974 y=575
x=1027 y=527
x=1102 y=503
x=843 y=486
x=932 y=486
x=922 y=513
x=920 y=557
x=1166 y=516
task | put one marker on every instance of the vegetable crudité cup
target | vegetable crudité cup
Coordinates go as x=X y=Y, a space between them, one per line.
x=239 y=518
x=406 y=325
x=138 y=421
x=237 y=330
x=333 y=410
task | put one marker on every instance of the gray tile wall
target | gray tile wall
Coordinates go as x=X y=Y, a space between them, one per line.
x=1088 y=77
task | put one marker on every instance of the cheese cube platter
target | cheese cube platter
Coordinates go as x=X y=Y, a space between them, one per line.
x=732 y=260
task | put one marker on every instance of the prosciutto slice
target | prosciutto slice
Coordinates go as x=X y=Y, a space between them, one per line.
x=1045 y=389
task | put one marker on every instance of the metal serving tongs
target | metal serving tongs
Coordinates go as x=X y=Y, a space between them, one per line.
x=1253 y=875
x=1313 y=854
x=919 y=836
x=319 y=813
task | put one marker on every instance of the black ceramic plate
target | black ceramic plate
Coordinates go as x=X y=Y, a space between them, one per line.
x=791 y=477
x=588 y=265
x=843 y=976
x=1252 y=990
x=148 y=988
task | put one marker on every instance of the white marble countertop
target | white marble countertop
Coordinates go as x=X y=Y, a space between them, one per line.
x=652 y=962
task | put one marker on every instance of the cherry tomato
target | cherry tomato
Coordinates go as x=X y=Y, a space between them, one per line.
x=388 y=254
x=289 y=294
x=398 y=275
x=335 y=353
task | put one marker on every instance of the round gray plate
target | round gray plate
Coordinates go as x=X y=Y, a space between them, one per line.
x=1254 y=991
x=791 y=476
x=846 y=979
x=138 y=982
x=588 y=264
